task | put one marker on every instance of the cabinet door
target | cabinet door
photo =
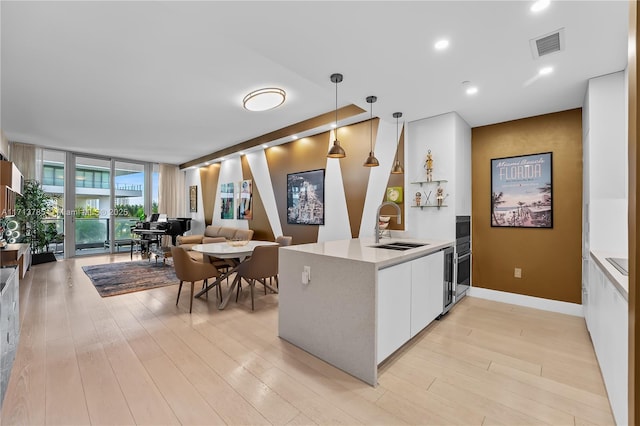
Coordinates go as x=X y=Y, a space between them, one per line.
x=393 y=309
x=427 y=286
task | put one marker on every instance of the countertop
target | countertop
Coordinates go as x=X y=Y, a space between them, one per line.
x=361 y=250
x=621 y=282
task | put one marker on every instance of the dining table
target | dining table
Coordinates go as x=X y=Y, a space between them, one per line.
x=234 y=254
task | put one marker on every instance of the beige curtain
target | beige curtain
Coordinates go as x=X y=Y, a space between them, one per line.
x=172 y=198
x=25 y=157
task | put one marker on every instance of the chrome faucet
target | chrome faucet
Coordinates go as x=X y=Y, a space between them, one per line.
x=398 y=217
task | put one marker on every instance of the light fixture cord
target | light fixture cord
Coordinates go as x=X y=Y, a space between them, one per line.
x=397 y=139
x=336 y=131
x=371 y=129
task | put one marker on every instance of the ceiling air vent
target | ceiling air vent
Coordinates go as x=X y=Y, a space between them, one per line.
x=547 y=44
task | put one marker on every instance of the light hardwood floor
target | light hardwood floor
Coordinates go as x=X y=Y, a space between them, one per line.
x=137 y=358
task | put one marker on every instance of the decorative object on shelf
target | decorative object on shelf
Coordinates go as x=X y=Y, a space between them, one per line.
x=428 y=165
x=397 y=167
x=371 y=160
x=521 y=191
x=394 y=193
x=193 y=198
x=439 y=196
x=418 y=198
x=245 y=205
x=305 y=198
x=336 y=150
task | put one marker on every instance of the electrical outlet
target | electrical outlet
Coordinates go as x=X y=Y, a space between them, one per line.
x=517 y=273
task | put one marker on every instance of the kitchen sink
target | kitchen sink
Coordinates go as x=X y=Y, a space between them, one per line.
x=401 y=246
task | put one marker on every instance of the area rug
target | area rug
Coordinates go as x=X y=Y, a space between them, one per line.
x=112 y=279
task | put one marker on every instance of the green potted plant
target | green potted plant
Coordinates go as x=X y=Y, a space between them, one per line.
x=31 y=209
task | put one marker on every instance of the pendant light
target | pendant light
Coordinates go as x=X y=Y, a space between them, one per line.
x=336 y=150
x=397 y=167
x=372 y=161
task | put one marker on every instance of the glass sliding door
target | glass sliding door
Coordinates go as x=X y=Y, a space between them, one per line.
x=129 y=206
x=53 y=167
x=92 y=208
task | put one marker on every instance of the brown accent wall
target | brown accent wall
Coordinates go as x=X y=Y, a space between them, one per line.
x=398 y=180
x=634 y=198
x=297 y=156
x=355 y=140
x=550 y=259
x=209 y=181
x=260 y=222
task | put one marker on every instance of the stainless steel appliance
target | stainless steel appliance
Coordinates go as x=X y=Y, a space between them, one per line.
x=462 y=256
x=448 y=281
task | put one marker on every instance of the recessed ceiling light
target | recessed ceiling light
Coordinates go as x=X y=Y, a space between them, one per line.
x=540 y=5
x=294 y=137
x=472 y=90
x=441 y=44
x=264 y=99
x=333 y=125
x=545 y=71
x=265 y=146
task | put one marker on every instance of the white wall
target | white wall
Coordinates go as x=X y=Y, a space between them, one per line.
x=449 y=139
x=606 y=164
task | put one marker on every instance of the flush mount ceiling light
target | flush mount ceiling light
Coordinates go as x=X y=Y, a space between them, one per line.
x=371 y=161
x=264 y=99
x=397 y=167
x=336 y=150
x=540 y=5
x=545 y=71
x=441 y=44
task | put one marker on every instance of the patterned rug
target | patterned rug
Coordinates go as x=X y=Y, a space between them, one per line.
x=112 y=279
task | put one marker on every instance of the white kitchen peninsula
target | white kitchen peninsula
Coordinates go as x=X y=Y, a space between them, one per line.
x=360 y=303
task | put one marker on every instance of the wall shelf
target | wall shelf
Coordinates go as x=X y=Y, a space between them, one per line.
x=435 y=181
x=431 y=205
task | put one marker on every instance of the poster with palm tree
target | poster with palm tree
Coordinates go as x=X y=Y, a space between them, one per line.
x=521 y=191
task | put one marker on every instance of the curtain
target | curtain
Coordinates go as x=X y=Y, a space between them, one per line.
x=24 y=156
x=172 y=198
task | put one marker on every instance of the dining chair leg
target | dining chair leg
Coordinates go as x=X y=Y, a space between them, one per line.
x=191 y=301
x=264 y=284
x=220 y=290
x=252 y=284
x=179 y=290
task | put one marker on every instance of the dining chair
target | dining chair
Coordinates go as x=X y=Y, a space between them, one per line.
x=262 y=264
x=190 y=270
x=284 y=240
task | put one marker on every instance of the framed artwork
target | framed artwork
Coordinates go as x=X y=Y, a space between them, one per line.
x=522 y=191
x=226 y=198
x=245 y=205
x=193 y=198
x=305 y=198
x=394 y=194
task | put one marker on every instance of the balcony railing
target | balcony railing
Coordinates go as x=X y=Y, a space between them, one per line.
x=94 y=232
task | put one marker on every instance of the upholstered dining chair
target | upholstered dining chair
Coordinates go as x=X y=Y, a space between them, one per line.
x=262 y=264
x=284 y=240
x=191 y=270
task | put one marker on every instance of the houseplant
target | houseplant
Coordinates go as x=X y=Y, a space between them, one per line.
x=31 y=209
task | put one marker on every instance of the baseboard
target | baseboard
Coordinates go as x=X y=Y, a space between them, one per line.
x=528 y=301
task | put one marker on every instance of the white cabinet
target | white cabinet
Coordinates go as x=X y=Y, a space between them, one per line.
x=394 y=309
x=410 y=297
x=427 y=275
x=607 y=316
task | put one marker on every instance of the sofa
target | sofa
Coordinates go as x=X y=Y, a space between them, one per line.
x=213 y=234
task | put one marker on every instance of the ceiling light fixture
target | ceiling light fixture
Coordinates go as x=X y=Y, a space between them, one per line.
x=545 y=71
x=540 y=5
x=397 y=167
x=371 y=161
x=441 y=44
x=336 y=150
x=264 y=99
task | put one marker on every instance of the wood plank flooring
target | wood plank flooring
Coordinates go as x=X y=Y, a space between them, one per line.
x=139 y=359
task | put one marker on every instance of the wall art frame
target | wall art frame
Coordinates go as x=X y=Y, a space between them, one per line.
x=193 y=199
x=522 y=191
x=305 y=197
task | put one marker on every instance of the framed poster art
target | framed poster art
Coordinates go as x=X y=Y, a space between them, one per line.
x=193 y=198
x=394 y=194
x=305 y=198
x=245 y=204
x=522 y=191
x=226 y=198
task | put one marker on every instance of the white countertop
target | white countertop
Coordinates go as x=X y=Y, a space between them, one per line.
x=620 y=281
x=361 y=250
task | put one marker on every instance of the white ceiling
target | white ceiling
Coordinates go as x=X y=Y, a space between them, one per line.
x=163 y=81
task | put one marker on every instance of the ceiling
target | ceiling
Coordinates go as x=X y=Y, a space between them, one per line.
x=164 y=81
